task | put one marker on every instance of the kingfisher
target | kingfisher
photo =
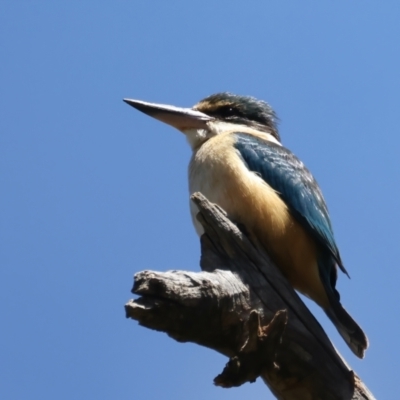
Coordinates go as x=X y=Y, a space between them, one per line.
x=239 y=163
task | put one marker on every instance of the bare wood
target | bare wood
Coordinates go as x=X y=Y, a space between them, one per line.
x=242 y=306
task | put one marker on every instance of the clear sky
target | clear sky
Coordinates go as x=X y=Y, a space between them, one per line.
x=92 y=191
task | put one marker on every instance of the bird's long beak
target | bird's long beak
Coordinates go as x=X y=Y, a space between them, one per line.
x=179 y=118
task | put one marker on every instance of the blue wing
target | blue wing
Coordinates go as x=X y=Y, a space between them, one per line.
x=288 y=176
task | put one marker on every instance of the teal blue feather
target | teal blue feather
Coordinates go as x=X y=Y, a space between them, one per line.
x=288 y=176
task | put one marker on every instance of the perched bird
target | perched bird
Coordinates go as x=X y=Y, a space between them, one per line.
x=239 y=163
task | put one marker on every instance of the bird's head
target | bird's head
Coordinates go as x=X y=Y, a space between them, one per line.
x=214 y=115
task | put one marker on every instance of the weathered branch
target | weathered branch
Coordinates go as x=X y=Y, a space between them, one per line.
x=242 y=306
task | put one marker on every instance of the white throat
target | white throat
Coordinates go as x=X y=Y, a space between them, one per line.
x=196 y=137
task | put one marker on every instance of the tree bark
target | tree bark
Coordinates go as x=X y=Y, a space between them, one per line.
x=243 y=307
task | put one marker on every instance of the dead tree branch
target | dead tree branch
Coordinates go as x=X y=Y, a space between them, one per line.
x=242 y=306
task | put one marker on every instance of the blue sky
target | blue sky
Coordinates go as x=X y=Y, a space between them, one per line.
x=93 y=191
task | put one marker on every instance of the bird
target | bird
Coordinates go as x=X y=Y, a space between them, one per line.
x=239 y=163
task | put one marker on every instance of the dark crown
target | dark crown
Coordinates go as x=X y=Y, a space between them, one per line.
x=244 y=110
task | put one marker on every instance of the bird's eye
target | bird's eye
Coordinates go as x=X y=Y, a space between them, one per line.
x=227 y=111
